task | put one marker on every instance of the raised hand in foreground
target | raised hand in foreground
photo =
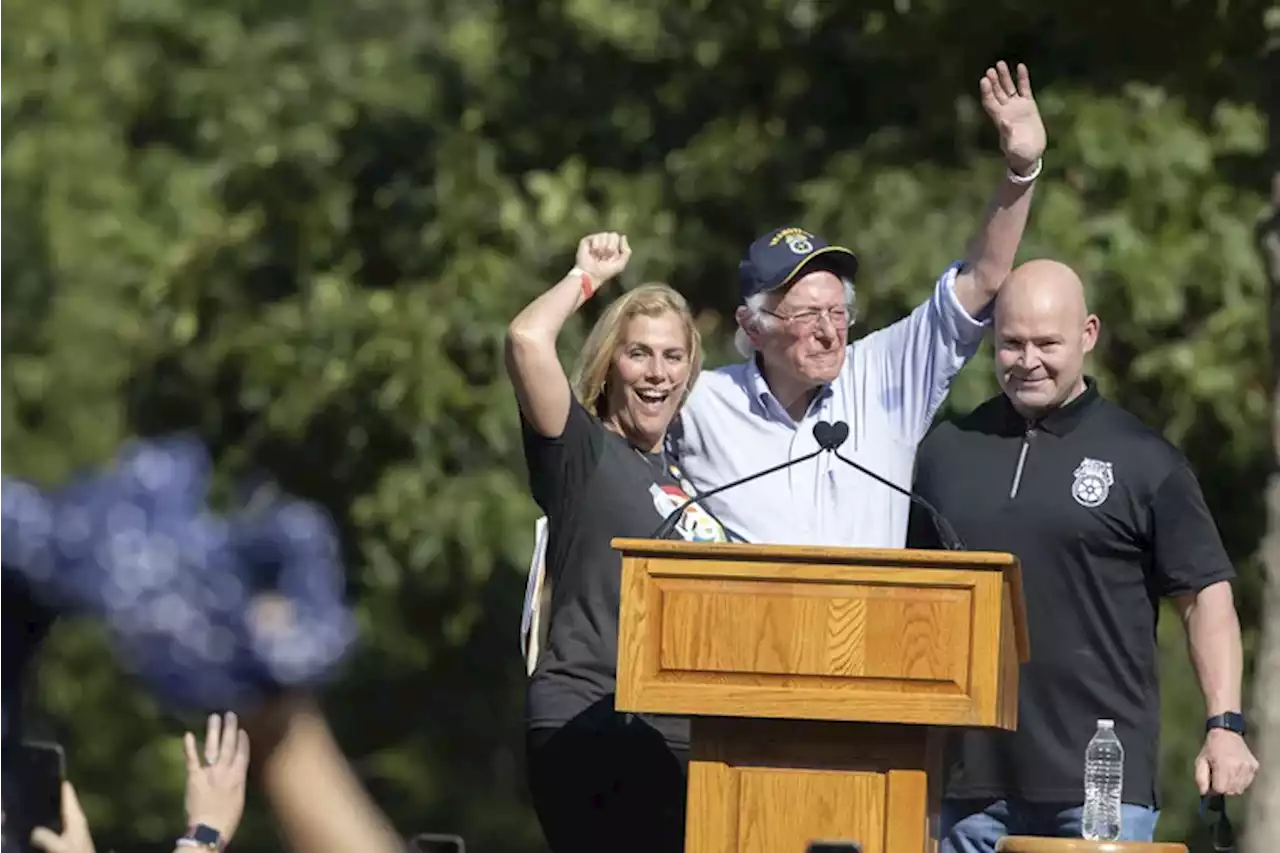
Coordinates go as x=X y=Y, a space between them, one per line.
x=216 y=779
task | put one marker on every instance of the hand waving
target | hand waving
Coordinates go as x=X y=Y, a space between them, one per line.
x=1013 y=109
x=215 y=787
x=603 y=256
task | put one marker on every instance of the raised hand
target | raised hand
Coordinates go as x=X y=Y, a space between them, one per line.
x=603 y=256
x=1013 y=109
x=215 y=786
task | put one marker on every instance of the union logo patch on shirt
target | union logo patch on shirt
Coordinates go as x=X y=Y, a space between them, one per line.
x=1094 y=479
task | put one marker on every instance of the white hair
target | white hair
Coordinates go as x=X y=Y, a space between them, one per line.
x=757 y=317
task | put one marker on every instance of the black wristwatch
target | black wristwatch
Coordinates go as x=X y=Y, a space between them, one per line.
x=205 y=837
x=1231 y=721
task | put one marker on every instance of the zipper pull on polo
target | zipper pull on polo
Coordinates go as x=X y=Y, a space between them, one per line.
x=1028 y=434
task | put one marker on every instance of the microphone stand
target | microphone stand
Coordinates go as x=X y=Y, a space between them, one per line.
x=951 y=540
x=669 y=523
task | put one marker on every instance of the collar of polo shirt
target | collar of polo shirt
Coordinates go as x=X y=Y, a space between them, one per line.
x=1061 y=420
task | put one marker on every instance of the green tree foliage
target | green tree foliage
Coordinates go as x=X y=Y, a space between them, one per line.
x=300 y=229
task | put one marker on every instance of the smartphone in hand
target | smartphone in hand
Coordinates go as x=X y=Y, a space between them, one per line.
x=39 y=769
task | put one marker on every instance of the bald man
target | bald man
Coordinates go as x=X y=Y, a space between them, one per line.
x=1106 y=517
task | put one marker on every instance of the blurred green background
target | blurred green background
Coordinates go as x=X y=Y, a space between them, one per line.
x=300 y=228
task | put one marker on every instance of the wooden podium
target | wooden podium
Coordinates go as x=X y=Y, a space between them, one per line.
x=820 y=681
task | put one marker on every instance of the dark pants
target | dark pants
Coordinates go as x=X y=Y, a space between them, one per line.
x=615 y=787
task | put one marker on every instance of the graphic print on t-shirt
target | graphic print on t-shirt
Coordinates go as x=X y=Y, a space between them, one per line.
x=695 y=524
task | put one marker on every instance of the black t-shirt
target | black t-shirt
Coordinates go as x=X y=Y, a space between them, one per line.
x=1105 y=517
x=595 y=486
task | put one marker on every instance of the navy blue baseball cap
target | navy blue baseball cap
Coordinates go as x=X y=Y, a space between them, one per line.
x=784 y=254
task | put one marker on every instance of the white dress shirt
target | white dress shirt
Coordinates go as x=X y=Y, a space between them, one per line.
x=891 y=386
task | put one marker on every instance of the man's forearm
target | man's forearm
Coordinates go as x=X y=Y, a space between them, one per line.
x=1213 y=638
x=994 y=248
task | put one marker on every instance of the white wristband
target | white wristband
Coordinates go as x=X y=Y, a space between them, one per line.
x=1022 y=180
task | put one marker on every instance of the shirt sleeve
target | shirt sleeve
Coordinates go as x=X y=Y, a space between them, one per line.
x=693 y=439
x=559 y=465
x=920 y=355
x=1189 y=555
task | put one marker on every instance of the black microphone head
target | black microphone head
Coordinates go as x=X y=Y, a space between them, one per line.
x=839 y=434
x=830 y=435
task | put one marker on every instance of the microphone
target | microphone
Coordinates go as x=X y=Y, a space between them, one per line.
x=822 y=431
x=830 y=435
x=834 y=434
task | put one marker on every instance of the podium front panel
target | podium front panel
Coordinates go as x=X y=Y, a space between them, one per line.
x=789 y=639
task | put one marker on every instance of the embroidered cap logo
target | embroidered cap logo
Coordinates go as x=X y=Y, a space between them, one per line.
x=798 y=244
x=798 y=240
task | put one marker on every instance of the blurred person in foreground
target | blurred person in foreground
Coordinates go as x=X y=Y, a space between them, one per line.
x=601 y=780
x=797 y=294
x=315 y=795
x=1106 y=518
x=243 y=611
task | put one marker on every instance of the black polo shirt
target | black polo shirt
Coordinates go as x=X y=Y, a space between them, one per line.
x=1106 y=517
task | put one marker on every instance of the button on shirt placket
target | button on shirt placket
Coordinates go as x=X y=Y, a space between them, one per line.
x=804 y=483
x=817 y=474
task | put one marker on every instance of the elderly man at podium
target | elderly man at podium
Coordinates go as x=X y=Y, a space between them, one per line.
x=797 y=294
x=1106 y=517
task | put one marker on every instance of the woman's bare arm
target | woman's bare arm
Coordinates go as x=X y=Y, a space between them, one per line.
x=532 y=362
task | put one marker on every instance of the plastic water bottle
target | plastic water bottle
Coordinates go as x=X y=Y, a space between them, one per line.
x=1103 y=784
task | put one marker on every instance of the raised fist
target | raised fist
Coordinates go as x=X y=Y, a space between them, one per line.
x=602 y=256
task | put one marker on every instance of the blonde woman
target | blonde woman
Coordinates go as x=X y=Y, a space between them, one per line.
x=601 y=780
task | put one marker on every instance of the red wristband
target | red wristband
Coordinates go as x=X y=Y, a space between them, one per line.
x=587 y=290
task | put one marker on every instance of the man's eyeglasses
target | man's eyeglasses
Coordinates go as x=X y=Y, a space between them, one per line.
x=807 y=320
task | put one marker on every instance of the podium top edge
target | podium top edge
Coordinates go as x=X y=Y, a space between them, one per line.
x=991 y=560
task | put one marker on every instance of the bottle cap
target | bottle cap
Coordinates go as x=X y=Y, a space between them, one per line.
x=1106 y=724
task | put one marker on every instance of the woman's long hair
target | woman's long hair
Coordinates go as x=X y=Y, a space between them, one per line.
x=591 y=372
